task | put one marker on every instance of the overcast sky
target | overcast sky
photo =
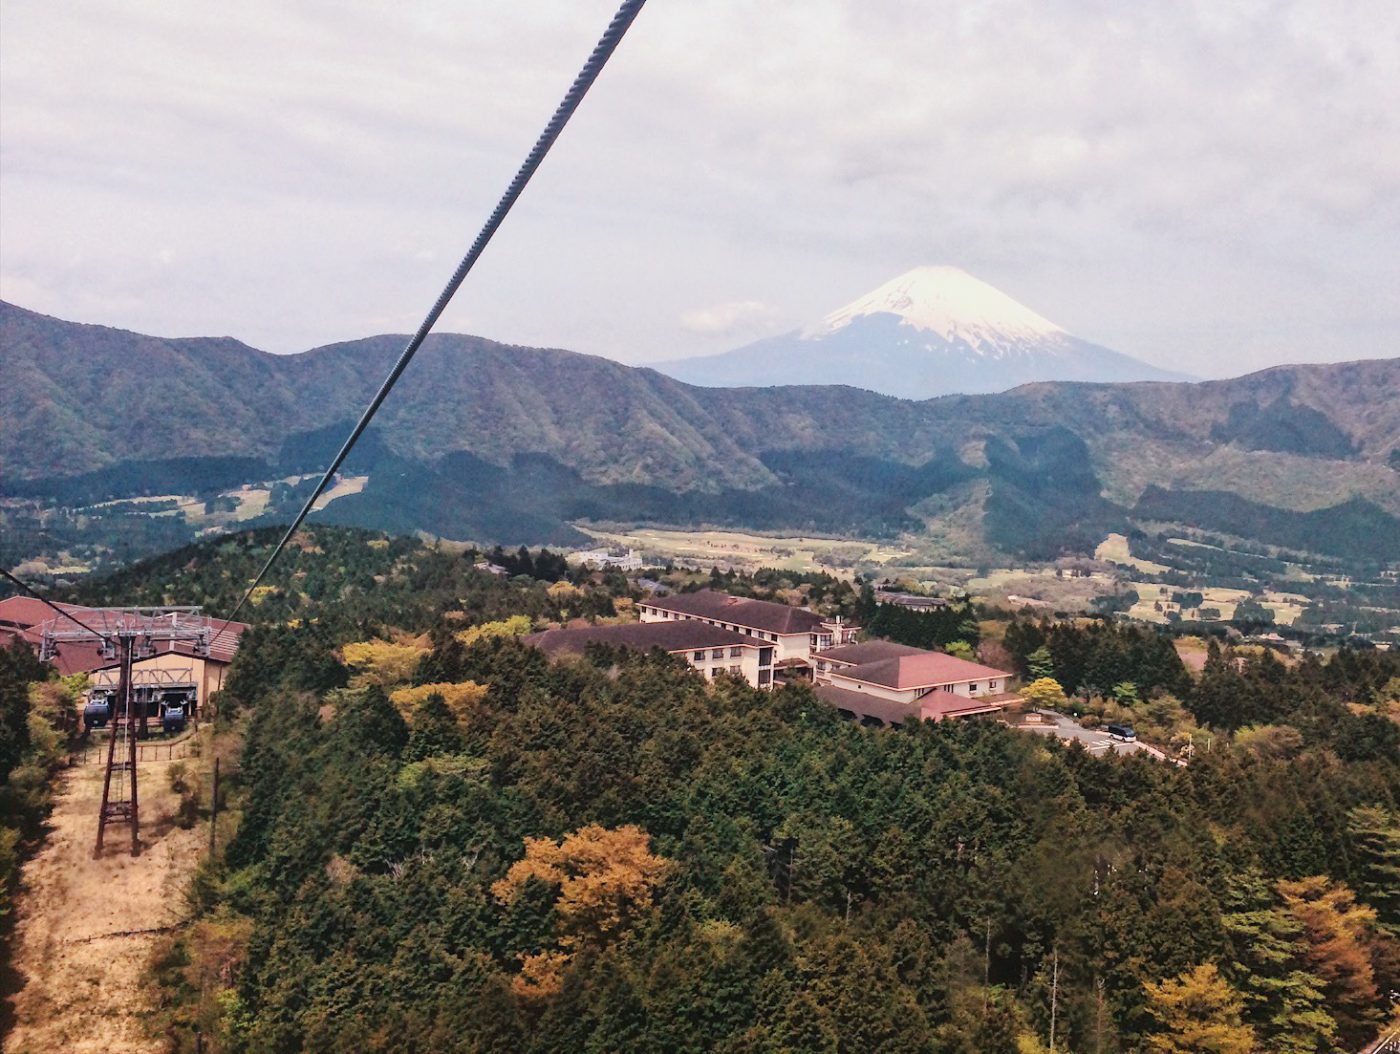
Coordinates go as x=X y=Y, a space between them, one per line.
x=1214 y=187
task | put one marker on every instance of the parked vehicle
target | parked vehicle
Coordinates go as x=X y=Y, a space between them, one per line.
x=1122 y=733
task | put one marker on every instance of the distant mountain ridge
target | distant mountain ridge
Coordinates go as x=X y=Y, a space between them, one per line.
x=492 y=442
x=931 y=331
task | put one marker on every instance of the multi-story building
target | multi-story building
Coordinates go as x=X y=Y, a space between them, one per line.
x=795 y=633
x=708 y=649
x=893 y=683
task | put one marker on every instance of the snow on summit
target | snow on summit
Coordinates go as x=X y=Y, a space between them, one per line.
x=947 y=301
x=931 y=331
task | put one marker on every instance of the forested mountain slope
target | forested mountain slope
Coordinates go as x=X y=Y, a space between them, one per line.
x=476 y=850
x=492 y=441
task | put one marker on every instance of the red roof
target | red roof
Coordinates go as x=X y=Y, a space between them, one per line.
x=868 y=651
x=922 y=669
x=680 y=636
x=935 y=706
x=25 y=617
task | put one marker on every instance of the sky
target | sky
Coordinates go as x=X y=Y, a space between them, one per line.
x=1213 y=186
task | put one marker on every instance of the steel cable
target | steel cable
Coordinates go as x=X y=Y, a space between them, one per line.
x=607 y=44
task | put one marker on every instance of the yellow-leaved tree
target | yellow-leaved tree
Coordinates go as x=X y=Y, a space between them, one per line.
x=1043 y=692
x=462 y=698
x=1339 y=933
x=605 y=878
x=1198 y=1012
x=382 y=662
x=515 y=626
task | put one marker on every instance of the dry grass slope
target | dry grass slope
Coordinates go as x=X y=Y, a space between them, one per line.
x=87 y=927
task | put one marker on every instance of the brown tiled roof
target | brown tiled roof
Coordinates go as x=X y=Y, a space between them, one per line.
x=672 y=636
x=941 y=704
x=25 y=616
x=862 y=705
x=924 y=669
x=740 y=611
x=933 y=707
x=869 y=651
x=1003 y=698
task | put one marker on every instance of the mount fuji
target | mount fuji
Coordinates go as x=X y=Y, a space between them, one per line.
x=931 y=331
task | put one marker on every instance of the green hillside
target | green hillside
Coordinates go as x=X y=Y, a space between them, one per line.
x=764 y=876
x=492 y=442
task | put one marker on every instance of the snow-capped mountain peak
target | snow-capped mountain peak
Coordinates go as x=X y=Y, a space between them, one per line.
x=949 y=302
x=931 y=331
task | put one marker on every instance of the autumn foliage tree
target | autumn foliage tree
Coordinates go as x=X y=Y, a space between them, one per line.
x=1340 y=934
x=604 y=879
x=1197 y=1012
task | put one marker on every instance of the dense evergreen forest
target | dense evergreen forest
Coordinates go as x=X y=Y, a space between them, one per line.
x=445 y=843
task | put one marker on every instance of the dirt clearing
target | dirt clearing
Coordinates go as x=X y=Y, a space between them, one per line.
x=86 y=927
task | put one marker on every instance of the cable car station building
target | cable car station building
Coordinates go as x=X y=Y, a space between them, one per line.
x=173 y=674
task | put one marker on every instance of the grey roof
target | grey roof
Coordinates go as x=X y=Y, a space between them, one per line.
x=741 y=611
x=674 y=636
x=869 y=651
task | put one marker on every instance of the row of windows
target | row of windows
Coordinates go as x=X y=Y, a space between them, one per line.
x=736 y=652
x=733 y=671
x=732 y=627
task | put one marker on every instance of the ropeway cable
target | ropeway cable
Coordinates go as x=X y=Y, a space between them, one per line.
x=607 y=44
x=65 y=614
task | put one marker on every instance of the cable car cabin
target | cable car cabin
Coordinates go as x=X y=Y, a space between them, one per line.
x=176 y=708
x=168 y=708
x=98 y=710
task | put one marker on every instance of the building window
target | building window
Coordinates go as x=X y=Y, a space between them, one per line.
x=714 y=672
x=699 y=656
x=765 y=676
x=972 y=687
x=737 y=671
x=717 y=653
x=735 y=652
x=992 y=686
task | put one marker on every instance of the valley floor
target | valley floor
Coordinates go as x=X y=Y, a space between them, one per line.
x=87 y=926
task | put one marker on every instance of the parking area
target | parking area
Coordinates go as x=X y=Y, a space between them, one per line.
x=1095 y=740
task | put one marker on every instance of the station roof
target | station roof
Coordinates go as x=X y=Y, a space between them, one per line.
x=24 y=617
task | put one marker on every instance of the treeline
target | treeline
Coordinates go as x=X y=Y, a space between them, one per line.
x=1093 y=658
x=1348 y=703
x=1356 y=530
x=611 y=854
x=938 y=628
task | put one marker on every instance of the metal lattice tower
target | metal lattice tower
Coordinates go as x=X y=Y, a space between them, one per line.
x=125 y=634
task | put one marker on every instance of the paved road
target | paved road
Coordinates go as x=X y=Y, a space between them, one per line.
x=1095 y=741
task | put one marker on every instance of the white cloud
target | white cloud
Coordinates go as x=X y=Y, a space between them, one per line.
x=1211 y=185
x=734 y=319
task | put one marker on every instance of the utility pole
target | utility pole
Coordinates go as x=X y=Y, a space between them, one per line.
x=125 y=803
x=986 y=965
x=1054 y=994
x=214 y=811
